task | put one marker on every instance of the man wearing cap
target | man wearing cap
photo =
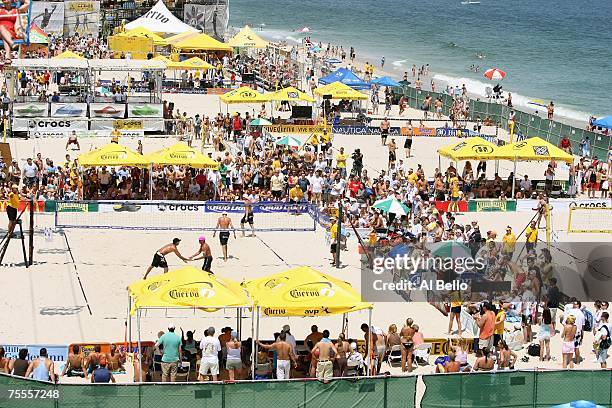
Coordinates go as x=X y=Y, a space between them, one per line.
x=211 y=347
x=159 y=259
x=224 y=223
x=172 y=353
x=102 y=374
x=12 y=208
x=206 y=254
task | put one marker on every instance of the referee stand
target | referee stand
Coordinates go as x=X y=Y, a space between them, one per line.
x=19 y=224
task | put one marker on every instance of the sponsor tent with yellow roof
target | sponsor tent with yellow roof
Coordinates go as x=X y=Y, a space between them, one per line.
x=532 y=149
x=243 y=94
x=338 y=90
x=303 y=291
x=471 y=148
x=180 y=154
x=144 y=32
x=190 y=64
x=201 y=42
x=187 y=287
x=68 y=55
x=290 y=94
x=112 y=154
x=246 y=38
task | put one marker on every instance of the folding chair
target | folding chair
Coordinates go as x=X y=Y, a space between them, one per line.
x=182 y=374
x=422 y=352
x=395 y=355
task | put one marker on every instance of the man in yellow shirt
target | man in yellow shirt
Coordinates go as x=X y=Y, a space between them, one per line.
x=500 y=320
x=115 y=135
x=454 y=195
x=12 y=208
x=531 y=235
x=412 y=177
x=341 y=162
x=509 y=240
x=296 y=195
x=333 y=232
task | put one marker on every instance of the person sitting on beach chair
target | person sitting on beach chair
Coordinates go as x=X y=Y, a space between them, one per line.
x=10 y=26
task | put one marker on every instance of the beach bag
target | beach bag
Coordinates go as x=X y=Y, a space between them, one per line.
x=588 y=321
x=533 y=350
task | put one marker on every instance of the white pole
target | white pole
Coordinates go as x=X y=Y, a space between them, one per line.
x=139 y=346
x=368 y=352
x=257 y=339
x=129 y=323
x=514 y=178
x=151 y=181
x=253 y=355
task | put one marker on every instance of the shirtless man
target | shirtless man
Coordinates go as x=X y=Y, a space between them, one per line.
x=115 y=359
x=206 y=254
x=392 y=153
x=284 y=356
x=406 y=335
x=76 y=363
x=224 y=223
x=344 y=348
x=249 y=199
x=325 y=351
x=384 y=130
x=159 y=259
x=92 y=360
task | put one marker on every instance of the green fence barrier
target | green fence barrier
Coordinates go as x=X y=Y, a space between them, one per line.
x=388 y=392
x=529 y=125
x=536 y=389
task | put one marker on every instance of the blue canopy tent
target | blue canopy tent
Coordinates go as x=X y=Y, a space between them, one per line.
x=578 y=404
x=385 y=81
x=347 y=77
x=605 y=122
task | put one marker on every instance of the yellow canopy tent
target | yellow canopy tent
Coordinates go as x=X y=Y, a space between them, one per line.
x=246 y=38
x=202 y=42
x=162 y=59
x=471 y=148
x=532 y=149
x=190 y=64
x=243 y=94
x=188 y=287
x=180 y=154
x=143 y=32
x=304 y=291
x=180 y=37
x=68 y=55
x=338 y=90
x=112 y=154
x=290 y=94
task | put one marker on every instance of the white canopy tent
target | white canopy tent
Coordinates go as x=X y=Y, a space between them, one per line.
x=160 y=20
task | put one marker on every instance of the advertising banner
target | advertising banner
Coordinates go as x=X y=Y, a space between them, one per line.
x=30 y=110
x=68 y=110
x=49 y=16
x=449 y=132
x=107 y=110
x=564 y=204
x=363 y=130
x=128 y=124
x=297 y=128
x=57 y=353
x=82 y=18
x=39 y=206
x=145 y=110
x=491 y=205
x=262 y=207
x=420 y=131
x=67 y=206
x=443 y=206
x=48 y=127
x=209 y=16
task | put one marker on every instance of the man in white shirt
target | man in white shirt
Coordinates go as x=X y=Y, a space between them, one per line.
x=580 y=319
x=30 y=173
x=211 y=347
x=316 y=184
x=277 y=184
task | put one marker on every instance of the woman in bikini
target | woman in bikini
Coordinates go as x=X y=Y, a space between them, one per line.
x=568 y=335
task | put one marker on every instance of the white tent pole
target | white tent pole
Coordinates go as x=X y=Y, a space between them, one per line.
x=514 y=178
x=129 y=324
x=253 y=355
x=139 y=346
x=255 y=345
x=151 y=181
x=368 y=352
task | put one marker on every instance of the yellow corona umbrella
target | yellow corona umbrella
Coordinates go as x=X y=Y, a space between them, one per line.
x=532 y=149
x=143 y=32
x=68 y=55
x=244 y=95
x=338 y=90
x=187 y=287
x=202 y=42
x=290 y=94
x=182 y=155
x=112 y=154
x=304 y=291
x=246 y=38
x=470 y=148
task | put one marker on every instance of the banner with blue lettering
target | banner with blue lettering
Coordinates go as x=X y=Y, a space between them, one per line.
x=261 y=207
x=55 y=352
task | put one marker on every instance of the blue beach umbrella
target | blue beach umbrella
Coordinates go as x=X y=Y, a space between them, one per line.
x=385 y=81
x=578 y=404
x=605 y=122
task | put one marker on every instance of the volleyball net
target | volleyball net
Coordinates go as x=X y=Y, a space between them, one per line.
x=590 y=220
x=184 y=215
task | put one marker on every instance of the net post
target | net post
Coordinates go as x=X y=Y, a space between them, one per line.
x=31 y=231
x=339 y=233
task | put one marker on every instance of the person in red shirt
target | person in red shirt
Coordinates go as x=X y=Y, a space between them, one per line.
x=237 y=125
x=486 y=322
x=566 y=145
x=354 y=186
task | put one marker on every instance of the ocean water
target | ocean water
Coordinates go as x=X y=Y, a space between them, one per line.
x=551 y=50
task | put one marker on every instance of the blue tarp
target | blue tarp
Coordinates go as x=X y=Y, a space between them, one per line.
x=347 y=77
x=605 y=122
x=385 y=81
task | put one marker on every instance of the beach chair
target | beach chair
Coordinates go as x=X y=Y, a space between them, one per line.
x=395 y=355
x=182 y=375
x=422 y=352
